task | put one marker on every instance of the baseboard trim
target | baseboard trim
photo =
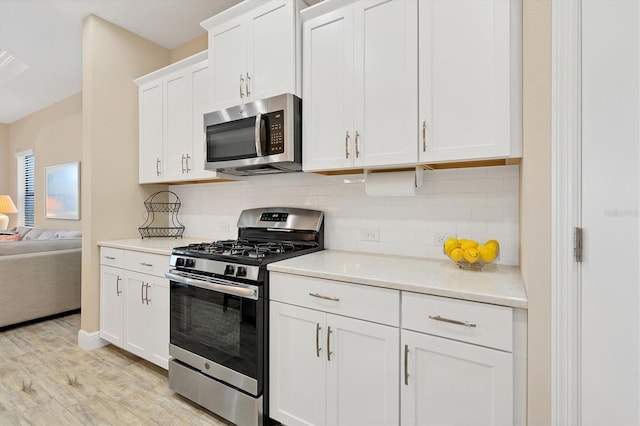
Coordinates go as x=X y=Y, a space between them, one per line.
x=90 y=341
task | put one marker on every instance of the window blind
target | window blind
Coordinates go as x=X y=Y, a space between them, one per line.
x=29 y=189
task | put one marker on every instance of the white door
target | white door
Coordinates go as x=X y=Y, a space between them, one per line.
x=610 y=378
x=159 y=302
x=202 y=103
x=328 y=91
x=271 y=50
x=454 y=383
x=228 y=62
x=111 y=304
x=150 y=132
x=138 y=332
x=178 y=124
x=386 y=82
x=465 y=79
x=362 y=373
x=297 y=349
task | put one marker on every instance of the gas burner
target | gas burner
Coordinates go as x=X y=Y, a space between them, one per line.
x=244 y=248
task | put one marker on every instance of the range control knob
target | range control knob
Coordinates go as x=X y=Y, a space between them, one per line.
x=229 y=270
x=241 y=272
x=189 y=263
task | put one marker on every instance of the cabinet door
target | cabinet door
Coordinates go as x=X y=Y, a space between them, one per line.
x=362 y=372
x=386 y=82
x=178 y=124
x=454 y=383
x=138 y=329
x=160 y=307
x=150 y=132
x=111 y=304
x=465 y=79
x=202 y=104
x=297 y=365
x=328 y=91
x=227 y=56
x=271 y=50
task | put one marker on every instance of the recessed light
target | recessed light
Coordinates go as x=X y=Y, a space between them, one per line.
x=10 y=67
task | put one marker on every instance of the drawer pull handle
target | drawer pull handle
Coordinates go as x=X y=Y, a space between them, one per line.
x=110 y=257
x=319 y=296
x=318 y=340
x=452 y=321
x=146 y=264
x=329 y=344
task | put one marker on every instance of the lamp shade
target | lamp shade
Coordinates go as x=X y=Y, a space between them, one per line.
x=6 y=205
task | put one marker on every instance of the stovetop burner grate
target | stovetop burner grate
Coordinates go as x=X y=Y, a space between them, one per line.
x=245 y=248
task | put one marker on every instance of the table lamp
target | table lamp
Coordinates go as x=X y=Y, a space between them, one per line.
x=6 y=206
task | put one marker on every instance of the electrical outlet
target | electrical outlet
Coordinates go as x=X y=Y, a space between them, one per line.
x=369 y=234
x=439 y=238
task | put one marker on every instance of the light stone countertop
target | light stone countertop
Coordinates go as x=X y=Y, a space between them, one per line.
x=151 y=245
x=495 y=284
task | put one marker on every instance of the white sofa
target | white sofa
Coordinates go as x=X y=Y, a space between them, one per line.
x=39 y=274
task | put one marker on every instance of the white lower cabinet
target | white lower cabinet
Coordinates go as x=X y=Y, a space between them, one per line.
x=454 y=383
x=330 y=369
x=134 y=304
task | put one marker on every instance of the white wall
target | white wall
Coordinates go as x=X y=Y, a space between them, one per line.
x=477 y=203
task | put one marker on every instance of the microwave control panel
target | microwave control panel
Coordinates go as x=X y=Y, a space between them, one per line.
x=275 y=121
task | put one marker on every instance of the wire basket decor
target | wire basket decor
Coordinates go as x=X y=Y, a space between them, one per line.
x=171 y=227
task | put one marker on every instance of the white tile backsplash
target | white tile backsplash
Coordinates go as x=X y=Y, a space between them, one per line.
x=480 y=203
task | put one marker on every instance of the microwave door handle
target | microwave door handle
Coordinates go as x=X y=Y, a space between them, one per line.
x=257 y=135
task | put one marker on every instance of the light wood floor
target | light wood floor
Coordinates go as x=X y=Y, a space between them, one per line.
x=46 y=379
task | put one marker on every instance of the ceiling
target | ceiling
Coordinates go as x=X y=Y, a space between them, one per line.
x=47 y=36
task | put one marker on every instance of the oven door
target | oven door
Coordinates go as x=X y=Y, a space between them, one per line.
x=217 y=327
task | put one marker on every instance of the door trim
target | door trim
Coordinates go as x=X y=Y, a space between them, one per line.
x=565 y=206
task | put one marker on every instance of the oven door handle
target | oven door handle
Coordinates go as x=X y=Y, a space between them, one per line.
x=246 y=293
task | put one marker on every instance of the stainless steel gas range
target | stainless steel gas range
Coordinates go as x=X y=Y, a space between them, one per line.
x=219 y=311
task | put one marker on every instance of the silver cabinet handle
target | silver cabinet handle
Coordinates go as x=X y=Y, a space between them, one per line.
x=157 y=166
x=146 y=264
x=118 y=291
x=346 y=145
x=182 y=164
x=319 y=296
x=406 y=365
x=424 y=136
x=241 y=84
x=318 y=340
x=247 y=85
x=110 y=257
x=357 y=139
x=452 y=321
x=329 y=344
x=146 y=293
x=187 y=158
x=142 y=293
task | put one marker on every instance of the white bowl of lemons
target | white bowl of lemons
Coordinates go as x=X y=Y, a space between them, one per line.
x=469 y=254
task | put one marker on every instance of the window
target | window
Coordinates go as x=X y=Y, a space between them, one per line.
x=26 y=187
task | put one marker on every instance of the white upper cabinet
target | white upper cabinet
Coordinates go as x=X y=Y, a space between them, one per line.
x=360 y=86
x=172 y=103
x=254 y=51
x=470 y=79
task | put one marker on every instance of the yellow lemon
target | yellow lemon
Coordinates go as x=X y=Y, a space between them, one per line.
x=467 y=244
x=471 y=255
x=456 y=254
x=450 y=244
x=493 y=243
x=488 y=253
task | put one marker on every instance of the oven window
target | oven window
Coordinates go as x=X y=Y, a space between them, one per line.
x=234 y=140
x=223 y=328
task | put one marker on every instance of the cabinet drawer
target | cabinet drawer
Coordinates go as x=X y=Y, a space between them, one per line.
x=478 y=323
x=111 y=256
x=147 y=263
x=368 y=303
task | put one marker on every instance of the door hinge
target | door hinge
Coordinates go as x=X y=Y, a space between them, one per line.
x=577 y=244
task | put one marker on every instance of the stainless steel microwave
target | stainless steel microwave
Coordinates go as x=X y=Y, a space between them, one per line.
x=260 y=137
